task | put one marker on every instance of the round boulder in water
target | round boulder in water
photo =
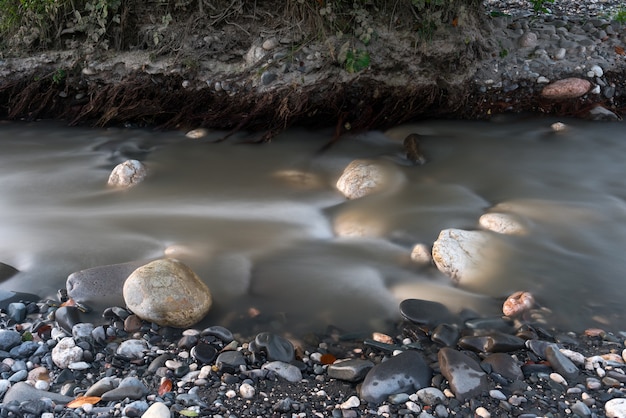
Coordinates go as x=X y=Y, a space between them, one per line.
x=127 y=174
x=363 y=177
x=168 y=293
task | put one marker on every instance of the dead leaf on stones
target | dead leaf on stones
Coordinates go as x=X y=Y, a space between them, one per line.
x=619 y=50
x=83 y=400
x=165 y=387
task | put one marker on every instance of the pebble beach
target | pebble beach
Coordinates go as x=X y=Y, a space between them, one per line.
x=432 y=363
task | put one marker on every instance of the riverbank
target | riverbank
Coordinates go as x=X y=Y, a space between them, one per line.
x=434 y=364
x=263 y=79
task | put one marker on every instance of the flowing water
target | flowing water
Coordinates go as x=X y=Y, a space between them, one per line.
x=266 y=239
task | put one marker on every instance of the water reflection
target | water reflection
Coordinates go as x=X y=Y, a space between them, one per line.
x=266 y=229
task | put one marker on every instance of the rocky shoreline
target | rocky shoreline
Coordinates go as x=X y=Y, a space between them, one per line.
x=435 y=364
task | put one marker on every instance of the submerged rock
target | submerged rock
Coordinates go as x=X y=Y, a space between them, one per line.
x=502 y=223
x=102 y=283
x=127 y=174
x=168 y=293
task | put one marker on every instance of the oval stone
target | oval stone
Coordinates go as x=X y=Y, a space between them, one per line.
x=568 y=88
x=168 y=293
x=127 y=174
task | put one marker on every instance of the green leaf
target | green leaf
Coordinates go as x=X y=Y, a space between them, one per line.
x=189 y=413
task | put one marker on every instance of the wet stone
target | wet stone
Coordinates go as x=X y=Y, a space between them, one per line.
x=495 y=343
x=561 y=364
x=424 y=312
x=204 y=353
x=351 y=370
x=466 y=378
x=6 y=271
x=229 y=361
x=446 y=335
x=405 y=372
x=66 y=317
x=505 y=365
x=288 y=372
x=276 y=347
x=220 y=332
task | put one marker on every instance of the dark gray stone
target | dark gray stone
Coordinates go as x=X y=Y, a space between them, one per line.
x=66 y=317
x=493 y=343
x=351 y=370
x=424 y=312
x=7 y=271
x=229 y=361
x=446 y=335
x=505 y=365
x=7 y=297
x=560 y=363
x=22 y=391
x=467 y=380
x=102 y=284
x=405 y=372
x=276 y=347
x=204 y=353
x=9 y=339
x=220 y=332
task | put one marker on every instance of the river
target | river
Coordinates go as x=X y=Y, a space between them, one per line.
x=269 y=242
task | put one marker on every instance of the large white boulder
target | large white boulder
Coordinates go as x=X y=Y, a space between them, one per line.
x=462 y=255
x=127 y=174
x=168 y=293
x=363 y=177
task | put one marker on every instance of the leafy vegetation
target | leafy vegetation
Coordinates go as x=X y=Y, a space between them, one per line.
x=539 y=6
x=620 y=15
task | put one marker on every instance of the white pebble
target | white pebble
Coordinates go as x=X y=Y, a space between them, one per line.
x=42 y=385
x=575 y=356
x=351 y=402
x=615 y=408
x=600 y=372
x=542 y=80
x=413 y=407
x=558 y=378
x=482 y=412
x=247 y=391
x=173 y=364
x=196 y=133
x=597 y=71
x=593 y=384
x=595 y=90
x=231 y=394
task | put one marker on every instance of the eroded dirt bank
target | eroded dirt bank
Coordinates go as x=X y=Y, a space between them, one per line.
x=263 y=75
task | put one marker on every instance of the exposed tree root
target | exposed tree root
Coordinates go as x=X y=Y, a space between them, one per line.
x=360 y=105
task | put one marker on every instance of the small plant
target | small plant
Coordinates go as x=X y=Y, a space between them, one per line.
x=539 y=6
x=620 y=15
x=357 y=60
x=58 y=76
